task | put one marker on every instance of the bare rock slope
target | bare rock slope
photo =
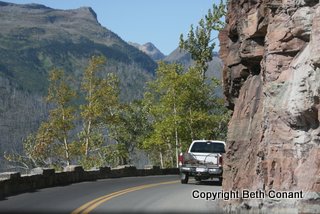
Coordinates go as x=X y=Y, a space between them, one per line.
x=271 y=80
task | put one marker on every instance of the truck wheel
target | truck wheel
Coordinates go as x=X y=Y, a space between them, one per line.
x=184 y=178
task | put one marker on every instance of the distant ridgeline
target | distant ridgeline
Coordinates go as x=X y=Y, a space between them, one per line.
x=34 y=39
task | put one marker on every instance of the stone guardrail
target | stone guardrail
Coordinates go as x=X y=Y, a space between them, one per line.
x=12 y=183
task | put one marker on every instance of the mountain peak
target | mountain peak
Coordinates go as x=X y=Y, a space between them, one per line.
x=150 y=49
x=149 y=46
x=89 y=11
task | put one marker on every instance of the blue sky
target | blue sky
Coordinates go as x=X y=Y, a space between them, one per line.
x=158 y=21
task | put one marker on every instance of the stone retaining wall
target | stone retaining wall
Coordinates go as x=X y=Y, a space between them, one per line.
x=12 y=183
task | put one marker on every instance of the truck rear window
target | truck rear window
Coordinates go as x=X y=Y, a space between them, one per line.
x=208 y=147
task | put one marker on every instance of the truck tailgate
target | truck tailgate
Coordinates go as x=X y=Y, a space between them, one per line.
x=206 y=158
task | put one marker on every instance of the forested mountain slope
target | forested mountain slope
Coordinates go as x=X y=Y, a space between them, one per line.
x=34 y=39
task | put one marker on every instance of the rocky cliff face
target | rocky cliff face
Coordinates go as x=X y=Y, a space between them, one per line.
x=271 y=80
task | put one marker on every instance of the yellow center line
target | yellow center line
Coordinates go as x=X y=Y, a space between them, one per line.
x=83 y=207
x=89 y=206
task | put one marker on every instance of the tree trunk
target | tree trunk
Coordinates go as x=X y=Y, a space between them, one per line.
x=176 y=133
x=65 y=142
x=87 y=138
x=66 y=148
x=161 y=160
x=190 y=125
x=90 y=119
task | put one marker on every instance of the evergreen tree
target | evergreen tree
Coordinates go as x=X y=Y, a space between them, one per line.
x=200 y=43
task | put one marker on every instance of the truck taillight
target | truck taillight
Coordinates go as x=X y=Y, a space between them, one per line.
x=181 y=159
x=220 y=160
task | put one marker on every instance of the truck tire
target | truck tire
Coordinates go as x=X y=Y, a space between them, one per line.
x=220 y=180
x=184 y=178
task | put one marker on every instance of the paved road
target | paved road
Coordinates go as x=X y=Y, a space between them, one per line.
x=133 y=194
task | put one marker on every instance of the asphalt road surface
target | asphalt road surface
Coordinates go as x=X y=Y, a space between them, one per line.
x=151 y=194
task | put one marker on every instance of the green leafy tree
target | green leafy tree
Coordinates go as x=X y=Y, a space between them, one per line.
x=182 y=107
x=57 y=130
x=50 y=145
x=129 y=130
x=162 y=99
x=42 y=149
x=55 y=143
x=101 y=105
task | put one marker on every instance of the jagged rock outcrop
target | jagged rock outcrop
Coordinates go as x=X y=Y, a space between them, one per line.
x=271 y=81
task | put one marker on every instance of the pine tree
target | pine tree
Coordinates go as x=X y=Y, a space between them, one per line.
x=200 y=43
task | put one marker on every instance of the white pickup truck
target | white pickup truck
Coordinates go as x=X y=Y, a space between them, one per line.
x=203 y=160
